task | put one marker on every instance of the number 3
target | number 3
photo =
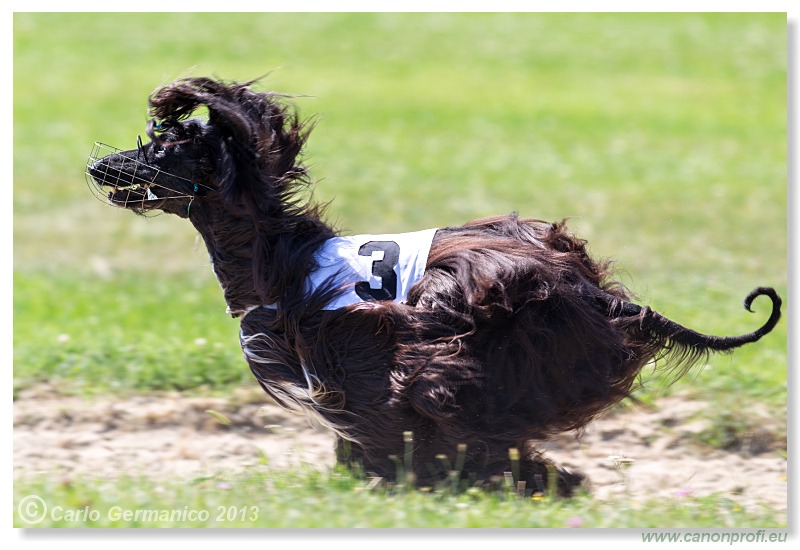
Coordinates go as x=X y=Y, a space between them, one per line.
x=381 y=267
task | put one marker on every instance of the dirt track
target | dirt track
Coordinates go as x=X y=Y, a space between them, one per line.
x=173 y=436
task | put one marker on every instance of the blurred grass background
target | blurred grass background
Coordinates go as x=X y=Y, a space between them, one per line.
x=662 y=135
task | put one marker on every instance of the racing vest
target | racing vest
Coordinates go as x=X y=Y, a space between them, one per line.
x=372 y=267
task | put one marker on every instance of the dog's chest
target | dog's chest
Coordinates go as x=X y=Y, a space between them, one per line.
x=372 y=267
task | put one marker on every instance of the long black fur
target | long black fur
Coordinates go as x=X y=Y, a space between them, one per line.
x=513 y=334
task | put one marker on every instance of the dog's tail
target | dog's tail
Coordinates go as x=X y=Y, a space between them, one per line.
x=671 y=337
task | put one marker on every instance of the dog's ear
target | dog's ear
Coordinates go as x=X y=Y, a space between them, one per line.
x=259 y=138
x=176 y=101
x=226 y=109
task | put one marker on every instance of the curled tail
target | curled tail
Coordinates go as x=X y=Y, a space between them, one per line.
x=663 y=337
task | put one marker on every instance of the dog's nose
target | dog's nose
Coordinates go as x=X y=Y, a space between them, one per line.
x=95 y=168
x=100 y=171
x=99 y=157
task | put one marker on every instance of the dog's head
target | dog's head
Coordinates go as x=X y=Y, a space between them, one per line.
x=242 y=157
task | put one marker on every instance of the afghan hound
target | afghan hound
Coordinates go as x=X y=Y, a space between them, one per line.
x=449 y=346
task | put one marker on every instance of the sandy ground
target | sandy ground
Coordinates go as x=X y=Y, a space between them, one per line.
x=172 y=436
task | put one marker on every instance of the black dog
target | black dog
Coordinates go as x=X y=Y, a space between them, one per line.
x=440 y=348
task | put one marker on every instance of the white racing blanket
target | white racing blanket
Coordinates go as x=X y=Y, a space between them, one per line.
x=372 y=267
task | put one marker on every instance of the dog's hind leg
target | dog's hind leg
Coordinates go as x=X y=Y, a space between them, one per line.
x=539 y=473
x=531 y=472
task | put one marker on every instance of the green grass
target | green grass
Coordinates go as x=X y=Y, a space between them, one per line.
x=306 y=498
x=104 y=338
x=662 y=136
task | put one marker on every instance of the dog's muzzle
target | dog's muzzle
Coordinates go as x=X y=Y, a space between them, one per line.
x=128 y=181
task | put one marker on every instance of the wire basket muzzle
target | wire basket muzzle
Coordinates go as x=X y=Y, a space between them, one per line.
x=128 y=181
